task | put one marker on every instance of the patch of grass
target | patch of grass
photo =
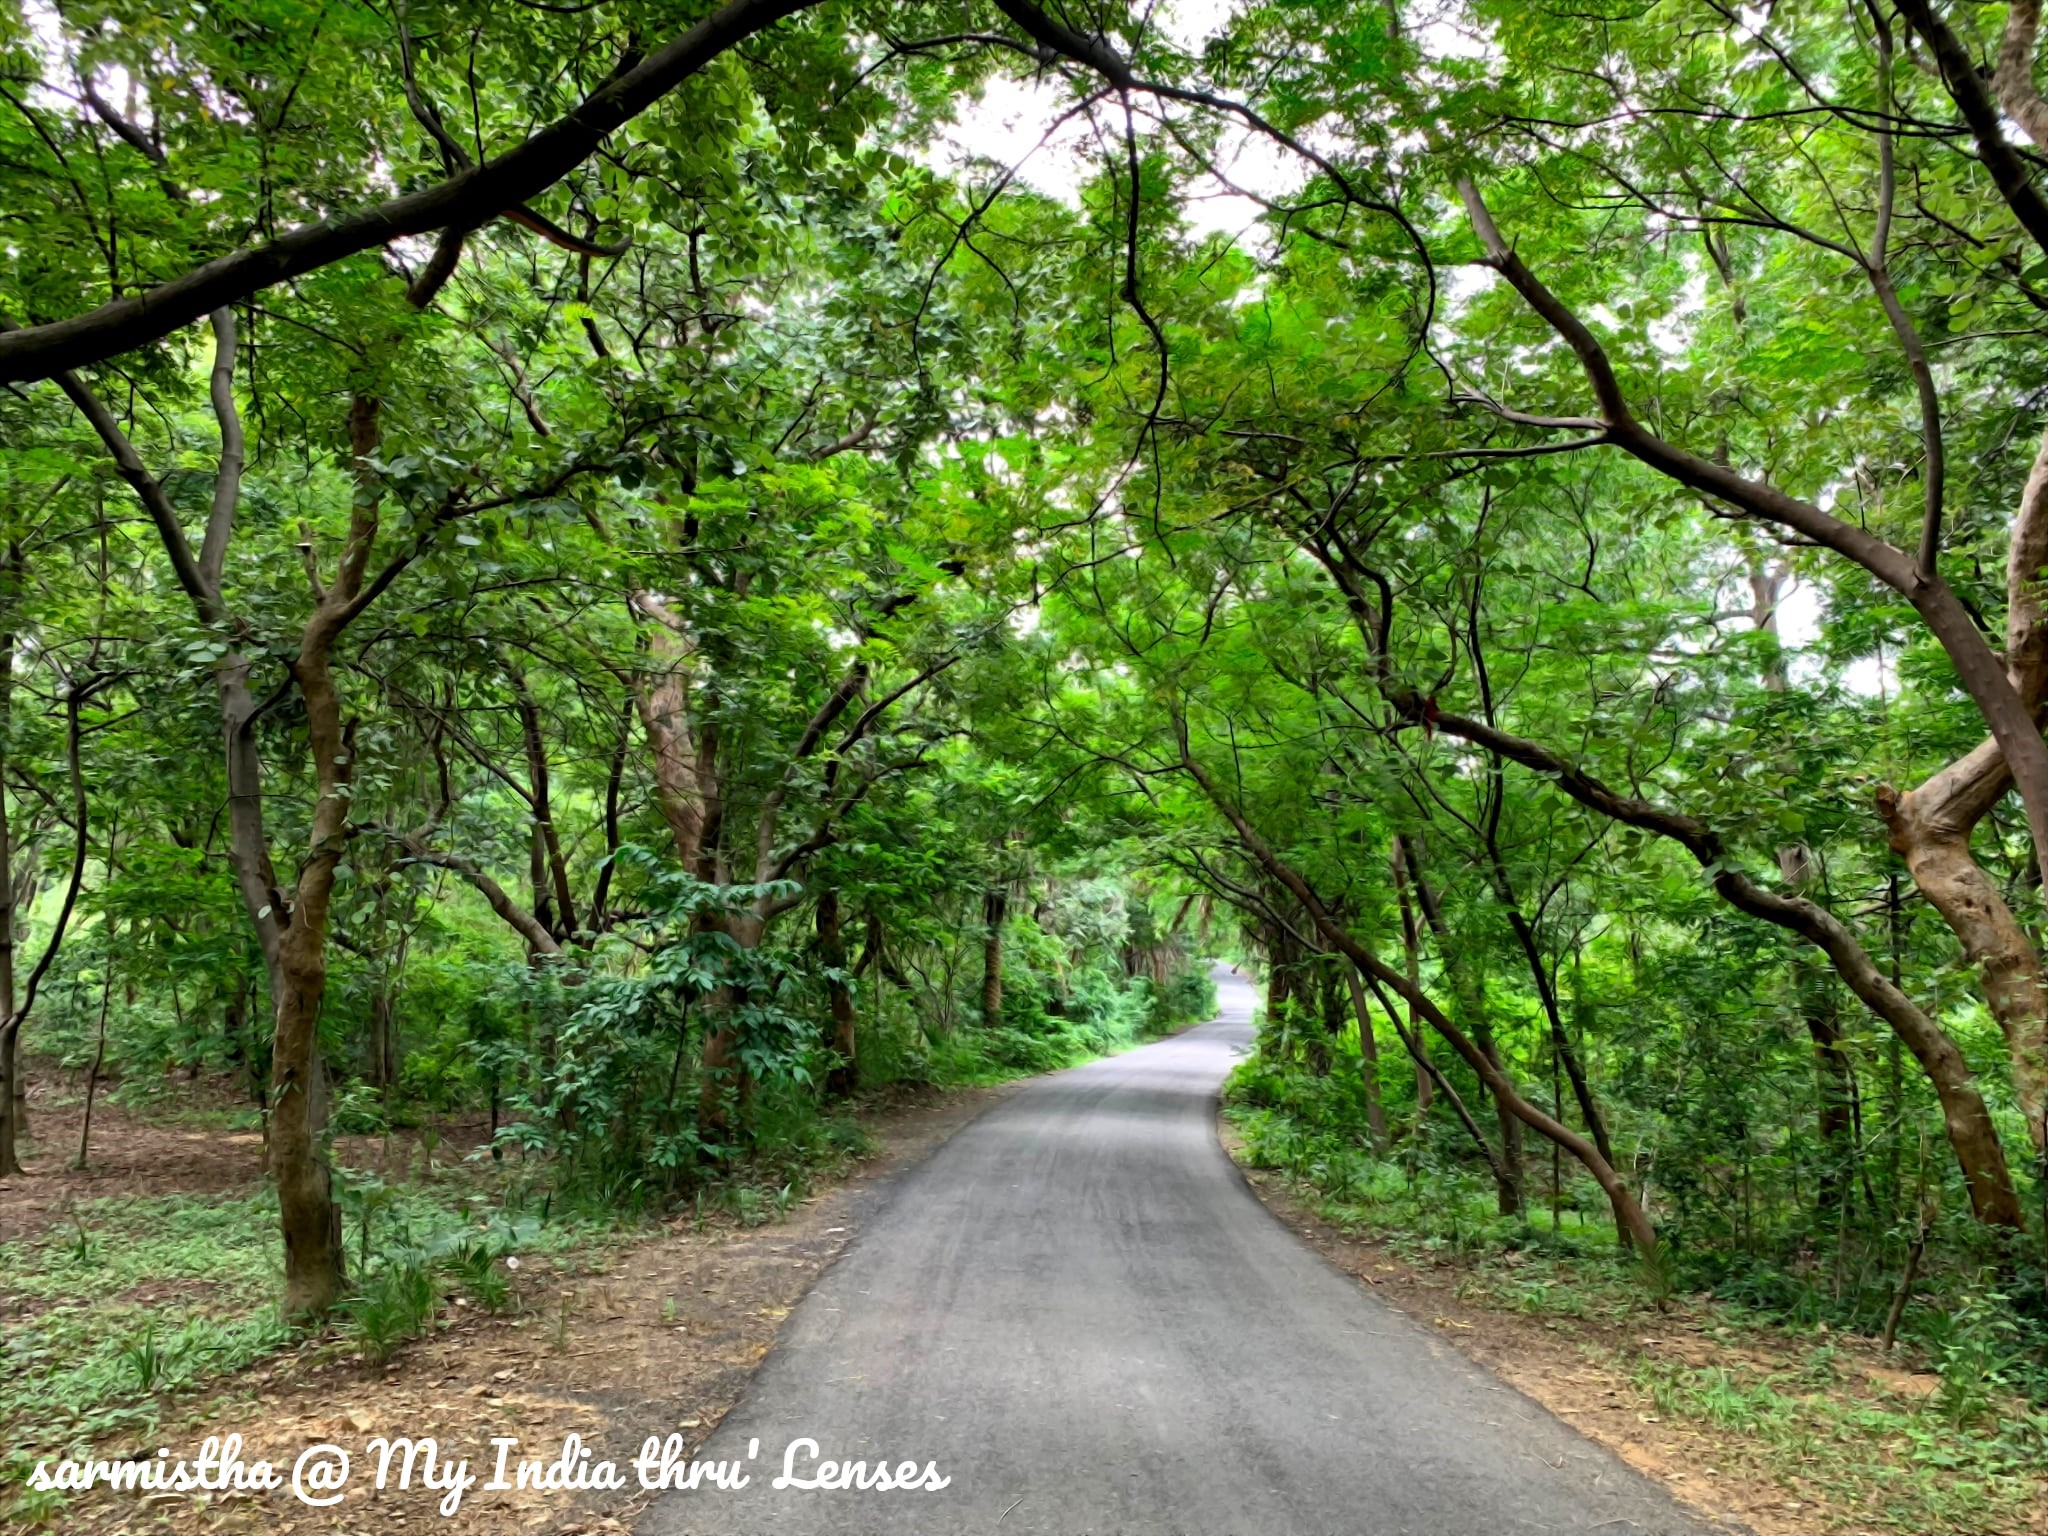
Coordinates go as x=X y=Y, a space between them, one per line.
x=133 y=1298
x=1904 y=1466
x=1428 y=1208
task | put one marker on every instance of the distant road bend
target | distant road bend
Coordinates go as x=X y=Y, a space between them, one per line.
x=1078 y=1311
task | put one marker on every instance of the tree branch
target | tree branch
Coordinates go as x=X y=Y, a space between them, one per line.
x=464 y=201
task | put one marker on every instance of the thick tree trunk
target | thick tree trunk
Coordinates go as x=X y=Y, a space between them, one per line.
x=314 y=1259
x=680 y=787
x=1930 y=829
x=840 y=1080
x=311 y=1221
x=1930 y=825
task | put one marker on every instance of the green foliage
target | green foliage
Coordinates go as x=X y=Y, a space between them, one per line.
x=395 y=1306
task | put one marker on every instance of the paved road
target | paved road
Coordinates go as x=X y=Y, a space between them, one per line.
x=1078 y=1312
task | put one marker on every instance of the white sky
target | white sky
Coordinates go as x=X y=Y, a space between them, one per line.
x=1014 y=114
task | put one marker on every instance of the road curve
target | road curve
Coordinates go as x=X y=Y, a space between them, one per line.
x=1079 y=1312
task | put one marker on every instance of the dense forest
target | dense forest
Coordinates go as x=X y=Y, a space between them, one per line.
x=642 y=570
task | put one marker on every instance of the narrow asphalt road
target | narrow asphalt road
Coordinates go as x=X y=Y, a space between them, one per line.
x=1081 y=1315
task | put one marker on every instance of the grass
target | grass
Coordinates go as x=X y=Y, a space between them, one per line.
x=134 y=1301
x=131 y=1299
x=1906 y=1467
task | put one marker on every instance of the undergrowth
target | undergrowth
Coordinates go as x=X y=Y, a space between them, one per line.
x=131 y=1303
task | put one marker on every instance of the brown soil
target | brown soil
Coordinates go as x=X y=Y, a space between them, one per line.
x=1580 y=1370
x=660 y=1336
x=135 y=1154
x=129 y=1156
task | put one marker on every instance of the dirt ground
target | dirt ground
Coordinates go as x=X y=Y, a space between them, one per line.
x=140 y=1155
x=128 y=1157
x=658 y=1337
x=1578 y=1370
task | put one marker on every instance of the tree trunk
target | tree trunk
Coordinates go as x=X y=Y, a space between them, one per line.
x=1470 y=991
x=381 y=1069
x=722 y=1080
x=1321 y=1045
x=1368 y=1060
x=680 y=780
x=99 y=1059
x=13 y=1092
x=314 y=1268
x=1929 y=828
x=1411 y=962
x=1283 y=992
x=995 y=908
x=1835 y=1090
x=13 y=1089
x=1582 y=1088
x=308 y=1215
x=1628 y=1214
x=840 y=1080
x=555 y=868
x=600 y=900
